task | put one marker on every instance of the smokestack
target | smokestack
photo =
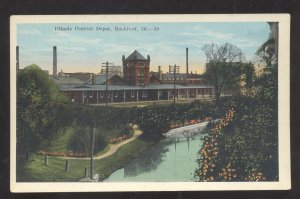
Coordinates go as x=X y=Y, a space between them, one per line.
x=54 y=61
x=187 y=62
x=93 y=78
x=17 y=57
x=159 y=72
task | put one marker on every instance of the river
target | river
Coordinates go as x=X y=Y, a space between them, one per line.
x=167 y=161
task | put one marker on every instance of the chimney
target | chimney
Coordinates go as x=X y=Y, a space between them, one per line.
x=159 y=74
x=54 y=61
x=187 y=62
x=17 y=57
x=93 y=78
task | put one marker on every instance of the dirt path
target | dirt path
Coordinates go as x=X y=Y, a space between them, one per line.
x=114 y=147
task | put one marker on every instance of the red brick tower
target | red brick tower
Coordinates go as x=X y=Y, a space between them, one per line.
x=136 y=69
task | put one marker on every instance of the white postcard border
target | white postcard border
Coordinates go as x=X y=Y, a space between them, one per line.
x=284 y=182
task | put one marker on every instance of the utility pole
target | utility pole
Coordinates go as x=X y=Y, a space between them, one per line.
x=107 y=65
x=174 y=70
x=92 y=153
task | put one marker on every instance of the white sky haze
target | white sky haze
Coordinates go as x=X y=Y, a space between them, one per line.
x=84 y=50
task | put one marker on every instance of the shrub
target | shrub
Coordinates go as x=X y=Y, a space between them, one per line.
x=80 y=142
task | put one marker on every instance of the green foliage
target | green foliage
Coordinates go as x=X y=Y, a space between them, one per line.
x=249 y=72
x=41 y=110
x=59 y=144
x=267 y=43
x=35 y=170
x=126 y=130
x=100 y=142
x=153 y=122
x=229 y=77
x=156 y=120
x=80 y=142
x=225 y=69
x=102 y=117
x=248 y=145
x=251 y=142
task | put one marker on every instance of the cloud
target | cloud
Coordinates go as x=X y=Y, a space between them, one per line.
x=30 y=32
x=65 y=38
x=197 y=27
x=218 y=37
x=209 y=33
x=246 y=43
x=71 y=50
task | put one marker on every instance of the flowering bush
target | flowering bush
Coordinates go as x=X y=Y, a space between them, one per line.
x=210 y=154
x=255 y=176
x=242 y=146
x=189 y=122
x=119 y=139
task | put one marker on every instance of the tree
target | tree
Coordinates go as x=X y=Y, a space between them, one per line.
x=246 y=148
x=80 y=141
x=41 y=109
x=224 y=67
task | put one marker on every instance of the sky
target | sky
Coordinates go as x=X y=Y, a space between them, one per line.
x=83 y=50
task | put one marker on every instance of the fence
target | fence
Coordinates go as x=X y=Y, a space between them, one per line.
x=58 y=169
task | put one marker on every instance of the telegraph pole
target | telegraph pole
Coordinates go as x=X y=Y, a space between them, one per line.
x=92 y=153
x=174 y=70
x=107 y=65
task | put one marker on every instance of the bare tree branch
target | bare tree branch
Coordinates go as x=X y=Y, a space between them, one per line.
x=220 y=59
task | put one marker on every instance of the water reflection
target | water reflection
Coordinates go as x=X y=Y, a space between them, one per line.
x=170 y=160
x=147 y=162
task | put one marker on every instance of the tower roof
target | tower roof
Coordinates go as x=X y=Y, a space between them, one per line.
x=135 y=55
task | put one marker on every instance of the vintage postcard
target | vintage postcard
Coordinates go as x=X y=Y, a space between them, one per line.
x=150 y=103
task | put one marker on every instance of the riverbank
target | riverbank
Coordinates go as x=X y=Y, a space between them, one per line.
x=112 y=148
x=35 y=170
x=153 y=121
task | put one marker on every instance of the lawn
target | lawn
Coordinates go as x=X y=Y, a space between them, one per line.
x=35 y=170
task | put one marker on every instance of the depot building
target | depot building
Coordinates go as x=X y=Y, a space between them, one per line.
x=135 y=84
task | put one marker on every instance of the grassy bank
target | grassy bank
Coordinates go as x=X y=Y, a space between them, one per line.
x=153 y=121
x=35 y=170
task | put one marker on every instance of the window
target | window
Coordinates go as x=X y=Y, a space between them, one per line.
x=141 y=73
x=144 y=94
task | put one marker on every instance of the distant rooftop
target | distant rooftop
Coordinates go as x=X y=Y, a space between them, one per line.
x=84 y=76
x=182 y=75
x=127 y=87
x=66 y=80
x=100 y=79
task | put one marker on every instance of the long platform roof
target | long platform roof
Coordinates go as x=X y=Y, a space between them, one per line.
x=94 y=87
